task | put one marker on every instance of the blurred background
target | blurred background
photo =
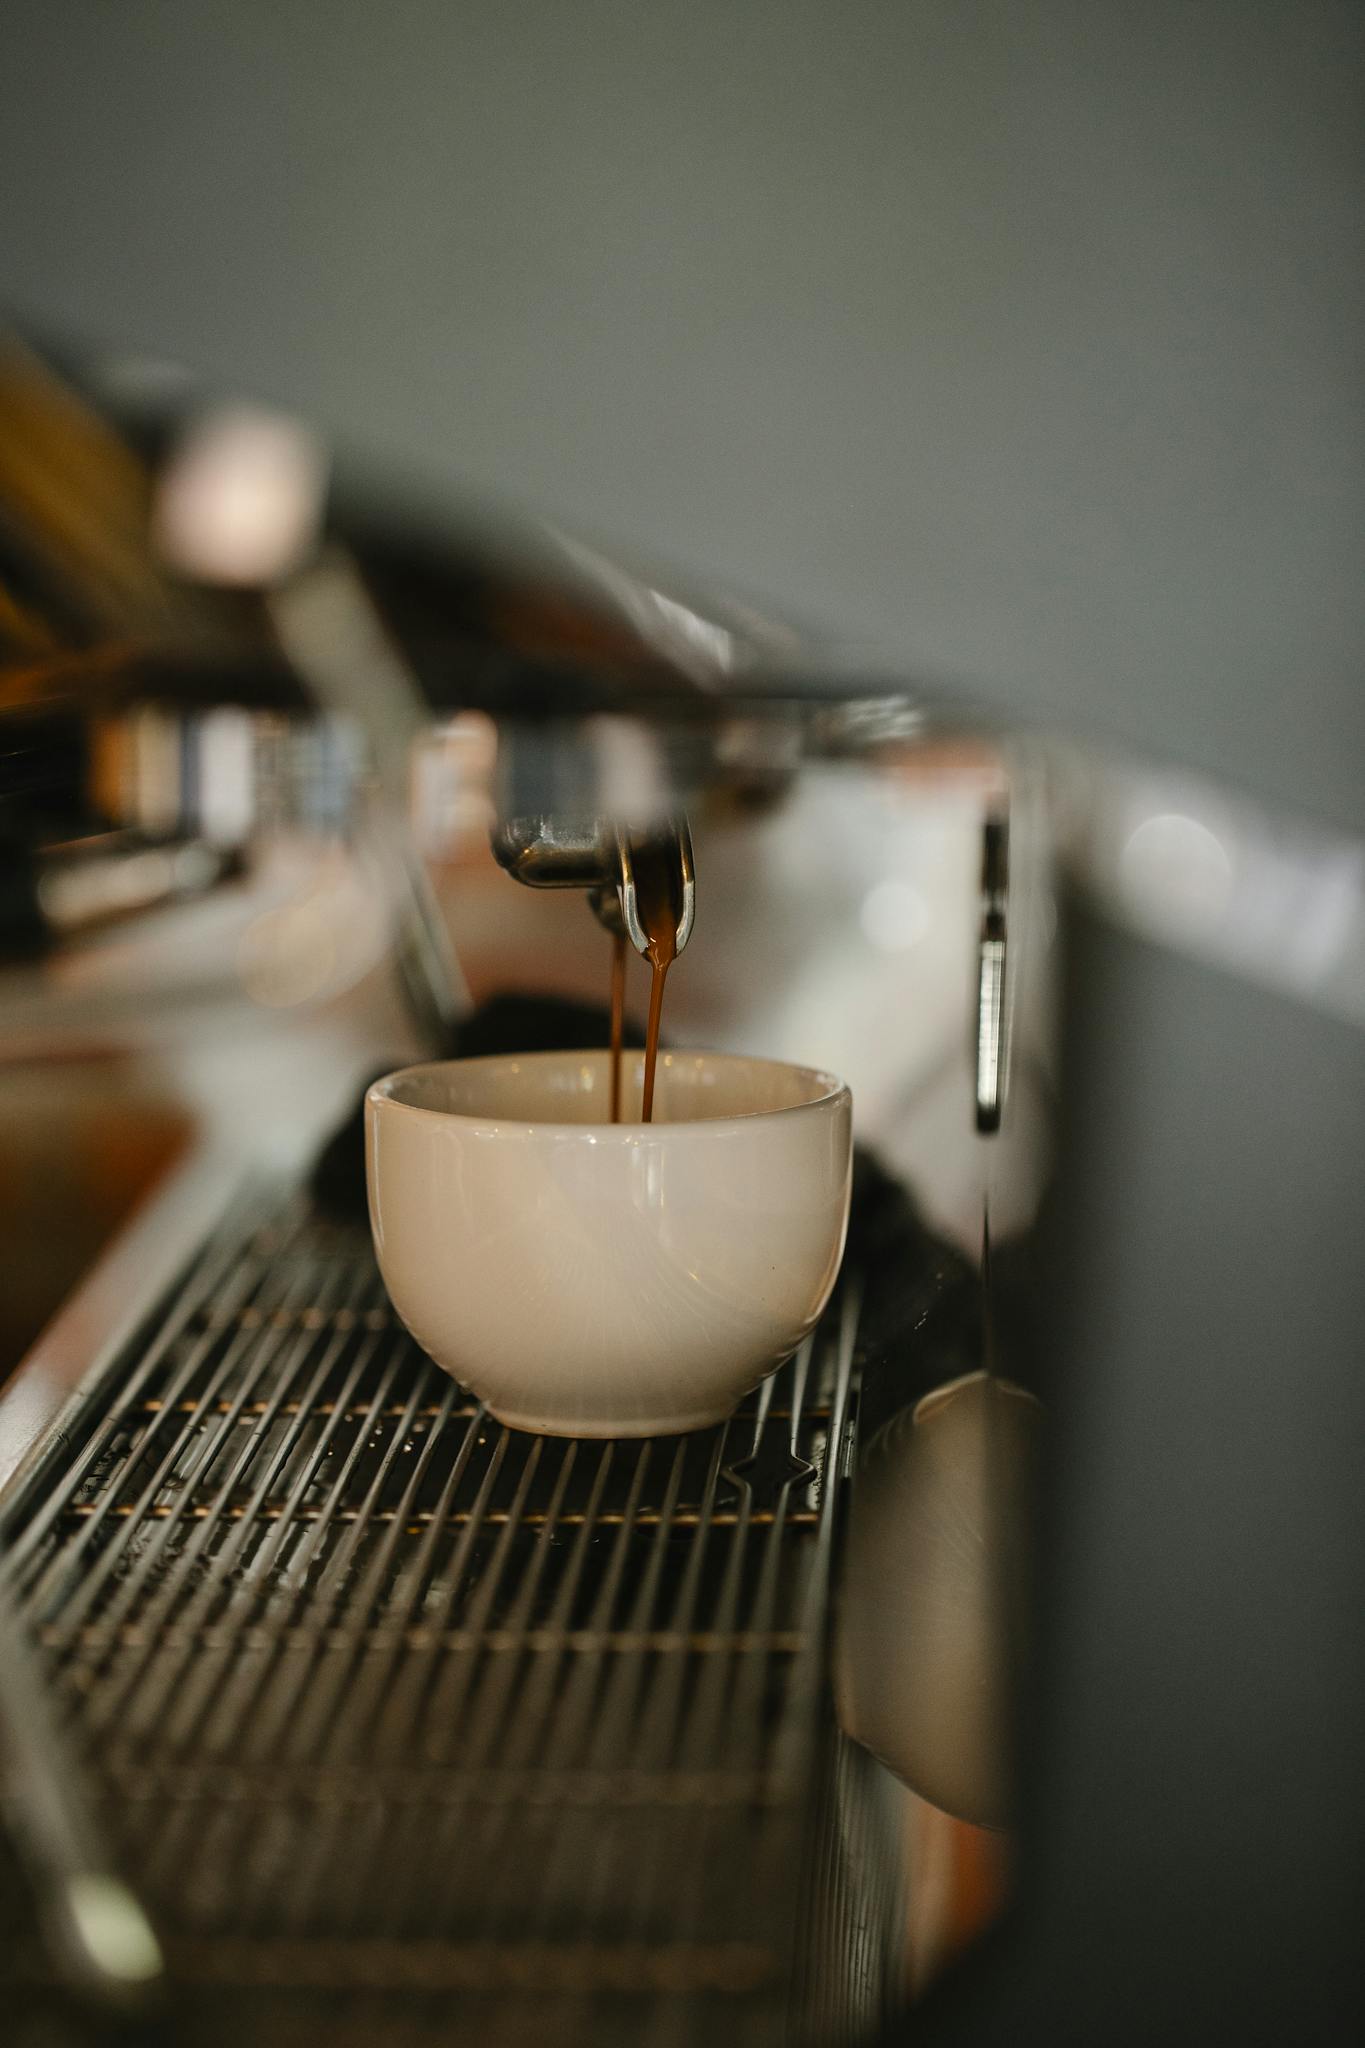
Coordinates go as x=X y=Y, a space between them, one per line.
x=1015 y=344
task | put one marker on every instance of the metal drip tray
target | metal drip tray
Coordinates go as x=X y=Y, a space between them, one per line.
x=399 y=1712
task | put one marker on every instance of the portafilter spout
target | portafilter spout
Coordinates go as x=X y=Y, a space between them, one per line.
x=601 y=859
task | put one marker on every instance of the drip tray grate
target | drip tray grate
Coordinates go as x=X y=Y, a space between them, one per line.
x=385 y=1697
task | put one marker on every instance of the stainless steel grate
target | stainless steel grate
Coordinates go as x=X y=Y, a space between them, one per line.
x=391 y=1702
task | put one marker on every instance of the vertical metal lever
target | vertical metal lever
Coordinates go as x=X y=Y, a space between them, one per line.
x=990 y=974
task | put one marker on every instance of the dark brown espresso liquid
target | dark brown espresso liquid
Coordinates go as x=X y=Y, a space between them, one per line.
x=618 y=1019
x=657 y=901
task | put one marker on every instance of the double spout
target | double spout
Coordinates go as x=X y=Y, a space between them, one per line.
x=604 y=860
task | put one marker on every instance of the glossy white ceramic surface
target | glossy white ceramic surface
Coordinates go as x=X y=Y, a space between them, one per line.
x=589 y=1278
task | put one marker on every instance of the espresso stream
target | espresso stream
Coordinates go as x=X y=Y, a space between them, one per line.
x=657 y=900
x=618 y=1019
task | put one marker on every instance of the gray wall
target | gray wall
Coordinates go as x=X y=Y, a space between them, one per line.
x=1017 y=342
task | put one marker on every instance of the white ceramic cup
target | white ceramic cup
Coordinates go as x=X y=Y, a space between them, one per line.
x=598 y=1279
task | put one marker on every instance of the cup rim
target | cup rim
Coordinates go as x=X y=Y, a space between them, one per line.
x=831 y=1092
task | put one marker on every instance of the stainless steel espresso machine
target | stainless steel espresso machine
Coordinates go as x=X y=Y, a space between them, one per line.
x=333 y=1709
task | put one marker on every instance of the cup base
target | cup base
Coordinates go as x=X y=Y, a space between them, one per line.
x=650 y=1425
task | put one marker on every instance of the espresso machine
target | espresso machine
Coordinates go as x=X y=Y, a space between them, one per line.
x=335 y=1709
